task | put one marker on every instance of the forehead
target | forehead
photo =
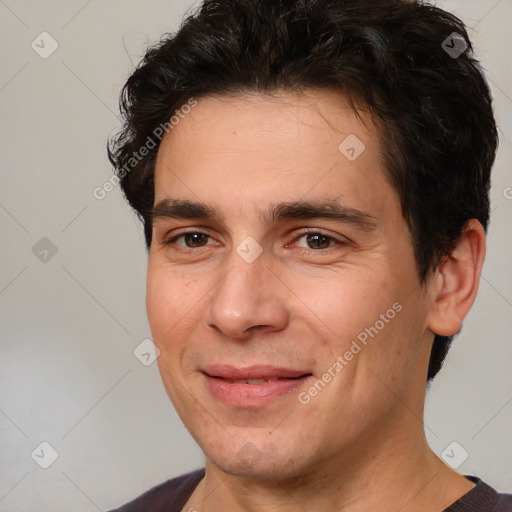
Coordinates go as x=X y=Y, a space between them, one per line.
x=264 y=149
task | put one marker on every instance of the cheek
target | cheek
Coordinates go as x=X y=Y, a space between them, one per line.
x=168 y=299
x=350 y=305
x=174 y=308
x=368 y=319
x=168 y=307
x=159 y=304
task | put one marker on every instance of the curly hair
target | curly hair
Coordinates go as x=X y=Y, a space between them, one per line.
x=406 y=62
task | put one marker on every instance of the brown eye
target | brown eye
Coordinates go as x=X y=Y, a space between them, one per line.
x=194 y=239
x=191 y=239
x=317 y=241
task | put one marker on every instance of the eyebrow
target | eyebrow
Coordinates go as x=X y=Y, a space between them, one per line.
x=185 y=209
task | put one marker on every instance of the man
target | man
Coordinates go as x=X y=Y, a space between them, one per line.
x=313 y=179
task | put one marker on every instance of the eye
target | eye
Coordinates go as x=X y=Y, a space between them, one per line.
x=192 y=239
x=318 y=241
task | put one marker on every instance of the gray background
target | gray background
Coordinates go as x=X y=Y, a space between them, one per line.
x=70 y=324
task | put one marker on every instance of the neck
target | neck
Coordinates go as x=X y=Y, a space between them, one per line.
x=380 y=472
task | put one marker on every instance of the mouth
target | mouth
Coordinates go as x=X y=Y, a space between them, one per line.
x=253 y=386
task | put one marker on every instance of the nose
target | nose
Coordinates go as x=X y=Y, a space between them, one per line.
x=249 y=298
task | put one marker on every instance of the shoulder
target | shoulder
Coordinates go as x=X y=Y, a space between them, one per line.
x=169 y=496
x=482 y=498
x=504 y=503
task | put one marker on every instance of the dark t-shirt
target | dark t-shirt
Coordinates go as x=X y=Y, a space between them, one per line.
x=172 y=495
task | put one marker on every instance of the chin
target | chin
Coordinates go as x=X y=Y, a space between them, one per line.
x=262 y=471
x=251 y=460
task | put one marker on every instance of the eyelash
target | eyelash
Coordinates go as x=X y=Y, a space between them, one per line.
x=189 y=250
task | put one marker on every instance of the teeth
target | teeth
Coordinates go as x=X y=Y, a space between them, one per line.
x=261 y=380
x=254 y=381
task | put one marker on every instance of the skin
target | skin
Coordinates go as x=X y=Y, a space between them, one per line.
x=359 y=444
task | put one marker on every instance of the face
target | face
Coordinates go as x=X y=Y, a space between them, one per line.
x=290 y=320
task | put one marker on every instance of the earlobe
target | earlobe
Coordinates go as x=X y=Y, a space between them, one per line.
x=455 y=283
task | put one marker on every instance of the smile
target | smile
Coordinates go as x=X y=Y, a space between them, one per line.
x=253 y=386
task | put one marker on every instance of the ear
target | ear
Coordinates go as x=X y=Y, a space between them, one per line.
x=454 y=284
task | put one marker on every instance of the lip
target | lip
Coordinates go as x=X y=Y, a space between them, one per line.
x=285 y=381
